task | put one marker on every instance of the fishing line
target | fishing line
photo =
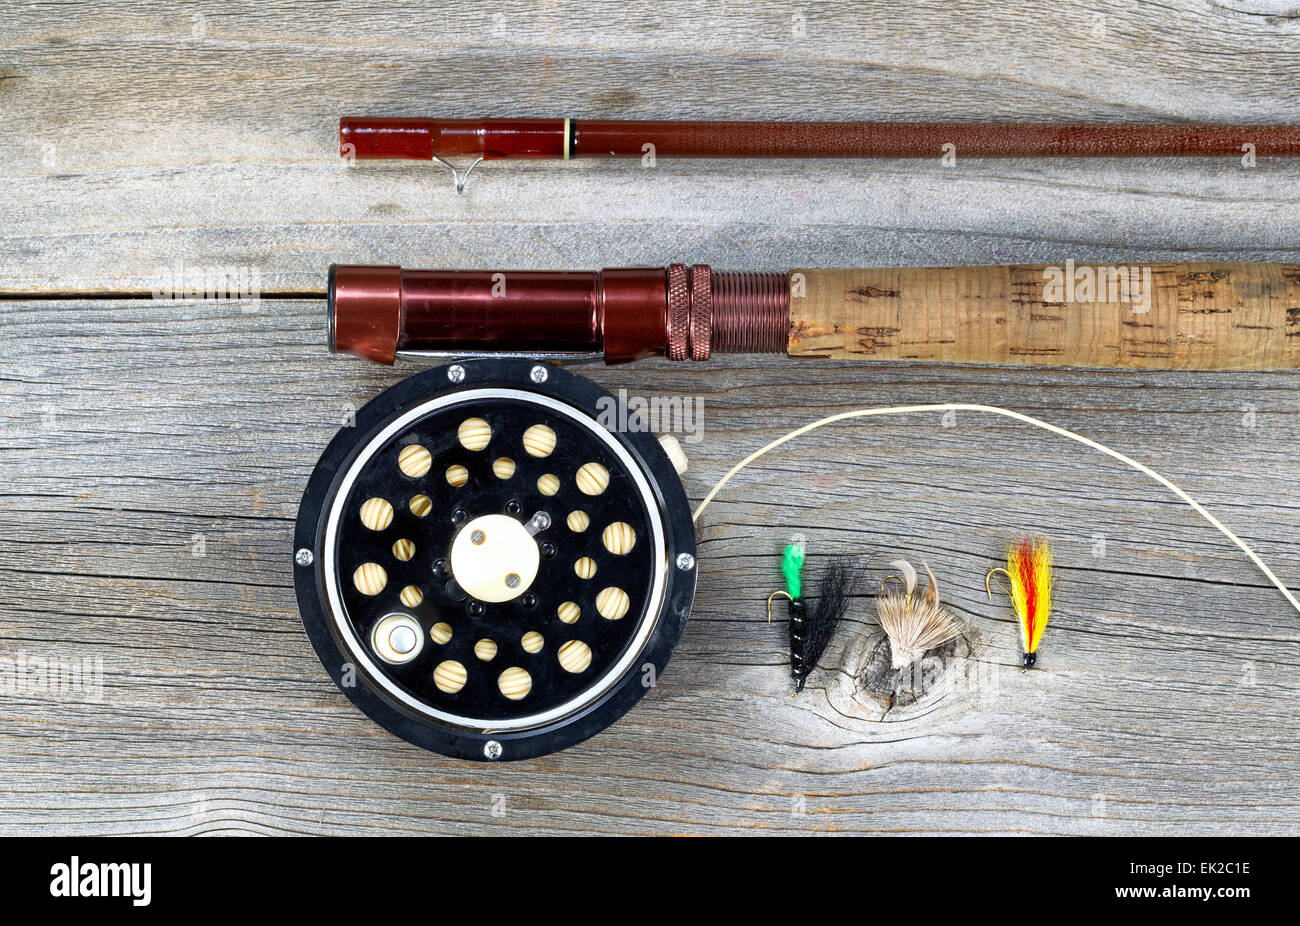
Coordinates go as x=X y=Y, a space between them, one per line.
x=1018 y=416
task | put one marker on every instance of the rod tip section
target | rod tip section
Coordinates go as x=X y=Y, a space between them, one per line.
x=365 y=311
x=369 y=139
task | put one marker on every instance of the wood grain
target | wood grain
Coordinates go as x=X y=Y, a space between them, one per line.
x=139 y=136
x=146 y=520
x=1194 y=316
x=152 y=453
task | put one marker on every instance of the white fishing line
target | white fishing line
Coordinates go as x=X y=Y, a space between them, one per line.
x=1027 y=419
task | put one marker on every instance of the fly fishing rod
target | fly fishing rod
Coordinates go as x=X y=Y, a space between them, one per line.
x=1194 y=316
x=566 y=139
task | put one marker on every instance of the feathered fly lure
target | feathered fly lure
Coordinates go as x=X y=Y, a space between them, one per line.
x=913 y=624
x=811 y=628
x=1029 y=570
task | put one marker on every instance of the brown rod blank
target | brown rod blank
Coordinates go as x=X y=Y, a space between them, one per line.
x=491 y=139
x=1204 y=316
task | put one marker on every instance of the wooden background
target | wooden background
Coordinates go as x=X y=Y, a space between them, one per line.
x=137 y=435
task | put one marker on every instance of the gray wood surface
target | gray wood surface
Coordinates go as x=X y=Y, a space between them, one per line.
x=153 y=453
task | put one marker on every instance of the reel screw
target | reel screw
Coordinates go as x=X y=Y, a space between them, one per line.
x=477 y=538
x=538 y=374
x=456 y=373
x=685 y=561
x=303 y=557
x=492 y=750
x=512 y=581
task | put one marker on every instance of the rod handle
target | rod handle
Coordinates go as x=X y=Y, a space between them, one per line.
x=1201 y=316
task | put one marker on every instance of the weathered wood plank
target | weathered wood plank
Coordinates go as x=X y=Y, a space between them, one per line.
x=201 y=421
x=139 y=136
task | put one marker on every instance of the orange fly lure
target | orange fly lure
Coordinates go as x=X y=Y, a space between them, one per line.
x=1029 y=570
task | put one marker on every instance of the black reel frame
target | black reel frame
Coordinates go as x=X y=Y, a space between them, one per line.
x=588 y=401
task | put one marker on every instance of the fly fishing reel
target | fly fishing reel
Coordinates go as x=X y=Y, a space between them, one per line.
x=496 y=562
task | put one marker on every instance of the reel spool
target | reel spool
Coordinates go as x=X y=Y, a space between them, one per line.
x=488 y=571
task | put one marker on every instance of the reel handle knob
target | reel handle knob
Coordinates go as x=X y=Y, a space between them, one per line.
x=676 y=455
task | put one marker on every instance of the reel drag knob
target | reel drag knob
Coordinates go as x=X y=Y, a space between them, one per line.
x=494 y=558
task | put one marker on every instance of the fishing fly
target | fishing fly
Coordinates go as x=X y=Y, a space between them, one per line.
x=1029 y=570
x=913 y=624
x=811 y=629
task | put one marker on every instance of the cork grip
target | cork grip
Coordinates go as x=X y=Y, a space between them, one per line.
x=1210 y=316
